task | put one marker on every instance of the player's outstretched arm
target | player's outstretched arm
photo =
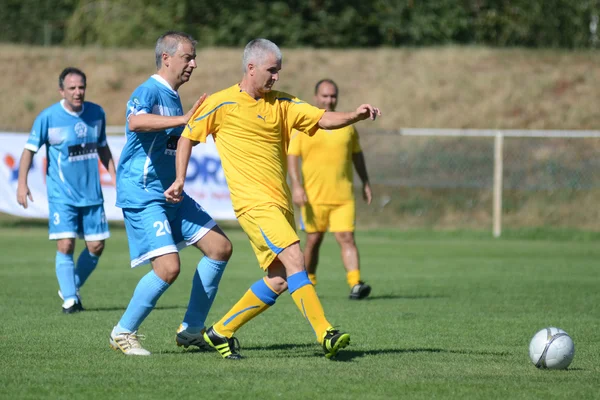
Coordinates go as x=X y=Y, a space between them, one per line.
x=335 y=120
x=174 y=194
x=153 y=122
x=22 y=188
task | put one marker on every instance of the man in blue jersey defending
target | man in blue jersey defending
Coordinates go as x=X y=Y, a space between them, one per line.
x=156 y=229
x=74 y=132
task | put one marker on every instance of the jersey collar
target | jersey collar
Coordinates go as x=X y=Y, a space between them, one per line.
x=73 y=113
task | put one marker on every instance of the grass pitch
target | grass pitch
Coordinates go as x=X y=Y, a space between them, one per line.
x=451 y=316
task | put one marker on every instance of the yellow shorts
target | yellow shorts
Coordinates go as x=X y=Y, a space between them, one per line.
x=319 y=217
x=270 y=229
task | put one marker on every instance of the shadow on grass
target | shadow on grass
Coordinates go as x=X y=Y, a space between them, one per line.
x=102 y=309
x=301 y=351
x=349 y=355
x=403 y=297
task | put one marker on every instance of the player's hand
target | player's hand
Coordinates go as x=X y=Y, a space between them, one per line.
x=174 y=194
x=365 y=111
x=22 y=194
x=192 y=110
x=367 y=194
x=299 y=196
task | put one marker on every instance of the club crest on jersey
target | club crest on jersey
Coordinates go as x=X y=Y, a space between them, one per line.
x=80 y=130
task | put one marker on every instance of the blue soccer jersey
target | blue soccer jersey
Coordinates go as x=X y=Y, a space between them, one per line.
x=147 y=165
x=72 y=141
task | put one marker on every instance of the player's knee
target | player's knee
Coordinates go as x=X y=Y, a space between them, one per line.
x=221 y=251
x=278 y=284
x=66 y=246
x=96 y=248
x=346 y=238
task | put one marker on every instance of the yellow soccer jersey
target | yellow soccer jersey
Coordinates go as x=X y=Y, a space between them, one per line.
x=252 y=137
x=327 y=164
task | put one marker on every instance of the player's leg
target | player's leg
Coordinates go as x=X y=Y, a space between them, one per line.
x=95 y=231
x=314 y=221
x=63 y=227
x=150 y=240
x=264 y=292
x=200 y=230
x=311 y=254
x=342 y=225
x=305 y=296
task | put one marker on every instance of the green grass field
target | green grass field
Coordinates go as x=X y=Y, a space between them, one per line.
x=451 y=316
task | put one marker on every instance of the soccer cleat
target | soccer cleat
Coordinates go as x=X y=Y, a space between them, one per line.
x=63 y=299
x=360 y=291
x=334 y=341
x=187 y=339
x=128 y=343
x=72 y=306
x=227 y=347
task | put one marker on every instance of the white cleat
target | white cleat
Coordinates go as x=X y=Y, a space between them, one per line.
x=187 y=339
x=63 y=299
x=128 y=344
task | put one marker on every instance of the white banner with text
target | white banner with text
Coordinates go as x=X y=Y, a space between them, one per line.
x=205 y=181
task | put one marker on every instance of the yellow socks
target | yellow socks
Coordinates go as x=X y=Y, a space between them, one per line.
x=313 y=278
x=307 y=301
x=257 y=299
x=353 y=278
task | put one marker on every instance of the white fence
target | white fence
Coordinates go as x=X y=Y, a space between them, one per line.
x=559 y=166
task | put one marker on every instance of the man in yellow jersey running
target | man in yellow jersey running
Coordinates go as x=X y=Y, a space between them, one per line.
x=251 y=125
x=325 y=192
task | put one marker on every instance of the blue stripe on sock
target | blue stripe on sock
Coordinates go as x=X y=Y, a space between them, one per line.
x=298 y=280
x=238 y=313
x=264 y=292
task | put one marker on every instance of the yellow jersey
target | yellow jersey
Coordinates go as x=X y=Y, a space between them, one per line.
x=327 y=170
x=252 y=136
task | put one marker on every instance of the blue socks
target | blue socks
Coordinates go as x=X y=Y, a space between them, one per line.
x=65 y=273
x=204 y=289
x=145 y=296
x=86 y=264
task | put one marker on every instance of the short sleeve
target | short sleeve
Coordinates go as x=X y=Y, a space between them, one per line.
x=142 y=101
x=102 y=135
x=206 y=120
x=299 y=114
x=355 y=141
x=294 y=148
x=39 y=134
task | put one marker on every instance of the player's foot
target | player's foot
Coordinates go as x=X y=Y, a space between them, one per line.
x=186 y=339
x=334 y=341
x=227 y=347
x=360 y=291
x=72 y=306
x=128 y=344
x=63 y=299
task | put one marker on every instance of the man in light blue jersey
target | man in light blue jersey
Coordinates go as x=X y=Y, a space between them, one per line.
x=156 y=229
x=74 y=132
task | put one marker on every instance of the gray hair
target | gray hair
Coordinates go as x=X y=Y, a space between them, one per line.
x=169 y=43
x=256 y=52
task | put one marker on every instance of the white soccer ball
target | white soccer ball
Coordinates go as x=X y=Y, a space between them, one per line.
x=551 y=348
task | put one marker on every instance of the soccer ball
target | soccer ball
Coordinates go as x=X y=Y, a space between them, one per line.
x=551 y=348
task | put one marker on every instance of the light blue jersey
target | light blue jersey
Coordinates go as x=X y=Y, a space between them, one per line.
x=72 y=141
x=147 y=165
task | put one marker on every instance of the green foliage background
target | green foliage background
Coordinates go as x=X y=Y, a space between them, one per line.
x=298 y=23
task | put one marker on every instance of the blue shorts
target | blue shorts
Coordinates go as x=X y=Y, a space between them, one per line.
x=161 y=229
x=66 y=222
